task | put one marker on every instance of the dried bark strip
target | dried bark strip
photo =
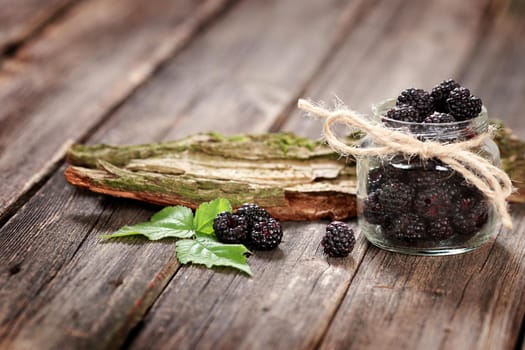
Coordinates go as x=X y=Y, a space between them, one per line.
x=294 y=178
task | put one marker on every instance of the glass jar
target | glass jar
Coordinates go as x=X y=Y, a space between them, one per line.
x=412 y=206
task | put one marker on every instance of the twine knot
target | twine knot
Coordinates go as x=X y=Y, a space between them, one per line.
x=493 y=182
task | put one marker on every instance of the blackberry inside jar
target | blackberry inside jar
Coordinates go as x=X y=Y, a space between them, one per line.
x=424 y=207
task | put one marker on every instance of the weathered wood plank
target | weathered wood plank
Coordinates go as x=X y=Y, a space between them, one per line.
x=475 y=300
x=41 y=254
x=462 y=302
x=89 y=293
x=287 y=304
x=79 y=69
x=19 y=19
x=293 y=295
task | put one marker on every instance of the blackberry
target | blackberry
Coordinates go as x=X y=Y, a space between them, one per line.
x=440 y=229
x=373 y=210
x=423 y=179
x=404 y=113
x=470 y=213
x=439 y=118
x=252 y=212
x=394 y=170
x=339 y=239
x=230 y=228
x=396 y=197
x=400 y=167
x=462 y=105
x=433 y=202
x=441 y=92
x=419 y=99
x=374 y=179
x=406 y=227
x=266 y=234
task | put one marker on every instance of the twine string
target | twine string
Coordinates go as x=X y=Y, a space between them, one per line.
x=493 y=182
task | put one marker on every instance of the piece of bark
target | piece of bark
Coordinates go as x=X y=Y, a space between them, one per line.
x=294 y=178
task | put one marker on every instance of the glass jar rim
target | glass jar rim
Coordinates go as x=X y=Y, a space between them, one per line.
x=443 y=132
x=379 y=111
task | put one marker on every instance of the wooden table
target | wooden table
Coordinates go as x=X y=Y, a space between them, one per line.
x=135 y=71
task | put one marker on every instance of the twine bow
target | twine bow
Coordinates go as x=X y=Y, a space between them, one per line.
x=489 y=179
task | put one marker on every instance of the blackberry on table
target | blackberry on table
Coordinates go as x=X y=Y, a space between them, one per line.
x=406 y=227
x=441 y=92
x=265 y=234
x=396 y=196
x=462 y=105
x=230 y=228
x=421 y=100
x=339 y=240
x=252 y=212
x=404 y=113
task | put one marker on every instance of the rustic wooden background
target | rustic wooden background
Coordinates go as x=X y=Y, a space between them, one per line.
x=135 y=71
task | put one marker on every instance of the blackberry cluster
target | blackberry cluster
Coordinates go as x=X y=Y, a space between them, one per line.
x=439 y=118
x=427 y=203
x=230 y=228
x=448 y=102
x=406 y=227
x=250 y=225
x=441 y=92
x=253 y=213
x=266 y=234
x=339 y=240
x=421 y=100
x=404 y=113
x=395 y=196
x=463 y=105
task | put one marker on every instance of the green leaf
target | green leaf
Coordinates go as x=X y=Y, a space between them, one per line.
x=207 y=251
x=174 y=222
x=206 y=213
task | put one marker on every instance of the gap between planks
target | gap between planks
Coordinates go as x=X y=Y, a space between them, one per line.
x=33 y=25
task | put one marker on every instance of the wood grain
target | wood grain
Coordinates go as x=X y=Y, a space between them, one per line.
x=43 y=264
x=287 y=304
x=19 y=19
x=63 y=84
x=475 y=300
x=472 y=301
x=291 y=300
x=90 y=294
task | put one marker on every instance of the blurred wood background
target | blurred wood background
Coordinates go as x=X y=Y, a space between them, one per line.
x=134 y=71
